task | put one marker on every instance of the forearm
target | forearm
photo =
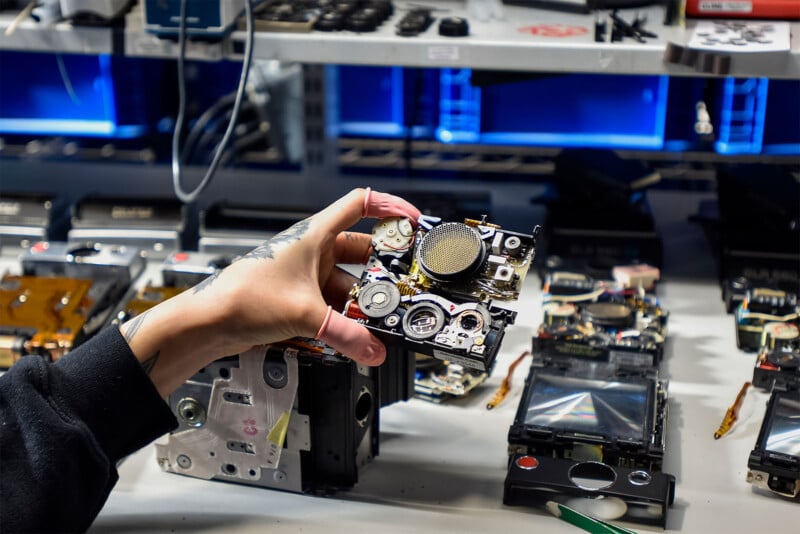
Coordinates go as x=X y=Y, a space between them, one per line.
x=176 y=338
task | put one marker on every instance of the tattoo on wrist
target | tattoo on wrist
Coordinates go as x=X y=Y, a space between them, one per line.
x=150 y=362
x=265 y=250
x=290 y=235
x=205 y=283
x=133 y=326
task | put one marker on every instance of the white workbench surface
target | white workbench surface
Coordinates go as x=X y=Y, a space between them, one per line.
x=441 y=467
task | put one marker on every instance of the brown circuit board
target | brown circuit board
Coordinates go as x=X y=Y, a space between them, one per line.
x=146 y=298
x=41 y=315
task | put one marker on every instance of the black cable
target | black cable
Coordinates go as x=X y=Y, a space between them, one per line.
x=198 y=128
x=210 y=134
x=190 y=197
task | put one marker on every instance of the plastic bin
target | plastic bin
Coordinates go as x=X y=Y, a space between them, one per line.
x=575 y=110
x=64 y=94
x=782 y=121
x=743 y=104
x=384 y=102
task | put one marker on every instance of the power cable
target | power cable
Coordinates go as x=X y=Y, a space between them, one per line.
x=191 y=196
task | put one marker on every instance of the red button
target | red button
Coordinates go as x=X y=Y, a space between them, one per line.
x=40 y=247
x=180 y=257
x=527 y=462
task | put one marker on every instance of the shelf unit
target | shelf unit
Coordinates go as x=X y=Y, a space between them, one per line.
x=492 y=45
x=509 y=44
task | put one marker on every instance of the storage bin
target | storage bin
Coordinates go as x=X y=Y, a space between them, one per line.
x=384 y=102
x=68 y=94
x=558 y=110
x=742 y=108
x=782 y=121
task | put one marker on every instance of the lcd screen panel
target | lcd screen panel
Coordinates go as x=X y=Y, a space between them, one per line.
x=784 y=432
x=598 y=407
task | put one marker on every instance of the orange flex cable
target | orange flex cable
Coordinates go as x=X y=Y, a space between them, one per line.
x=505 y=386
x=732 y=414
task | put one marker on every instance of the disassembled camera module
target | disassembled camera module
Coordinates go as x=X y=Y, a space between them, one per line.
x=437 y=380
x=778 y=361
x=590 y=427
x=294 y=416
x=759 y=307
x=774 y=463
x=601 y=320
x=65 y=294
x=431 y=289
x=591 y=432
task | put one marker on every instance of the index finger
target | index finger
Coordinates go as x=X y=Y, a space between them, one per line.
x=360 y=203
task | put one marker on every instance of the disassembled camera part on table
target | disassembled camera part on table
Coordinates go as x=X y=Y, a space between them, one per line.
x=155 y=226
x=591 y=435
x=778 y=361
x=760 y=307
x=430 y=289
x=65 y=294
x=235 y=230
x=603 y=320
x=27 y=219
x=437 y=381
x=295 y=416
x=774 y=463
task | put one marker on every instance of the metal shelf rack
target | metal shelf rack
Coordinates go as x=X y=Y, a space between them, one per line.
x=524 y=40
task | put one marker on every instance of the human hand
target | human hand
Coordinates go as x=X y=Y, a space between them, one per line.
x=285 y=287
x=280 y=290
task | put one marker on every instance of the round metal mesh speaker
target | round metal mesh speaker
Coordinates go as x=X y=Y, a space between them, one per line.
x=449 y=251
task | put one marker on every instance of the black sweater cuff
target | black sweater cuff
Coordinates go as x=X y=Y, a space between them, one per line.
x=106 y=387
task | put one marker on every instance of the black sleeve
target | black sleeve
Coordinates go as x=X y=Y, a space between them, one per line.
x=64 y=426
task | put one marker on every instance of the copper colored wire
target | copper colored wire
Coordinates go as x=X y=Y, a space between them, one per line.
x=732 y=414
x=505 y=386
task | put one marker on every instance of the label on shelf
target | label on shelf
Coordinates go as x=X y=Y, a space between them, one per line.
x=739 y=36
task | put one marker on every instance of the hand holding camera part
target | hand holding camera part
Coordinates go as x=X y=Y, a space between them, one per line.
x=278 y=291
x=430 y=289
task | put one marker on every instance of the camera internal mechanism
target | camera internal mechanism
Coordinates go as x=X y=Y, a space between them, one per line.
x=437 y=380
x=431 y=289
x=65 y=294
x=295 y=416
x=591 y=433
x=778 y=361
x=774 y=463
x=617 y=322
x=154 y=226
x=759 y=307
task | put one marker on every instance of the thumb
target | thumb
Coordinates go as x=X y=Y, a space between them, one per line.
x=351 y=339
